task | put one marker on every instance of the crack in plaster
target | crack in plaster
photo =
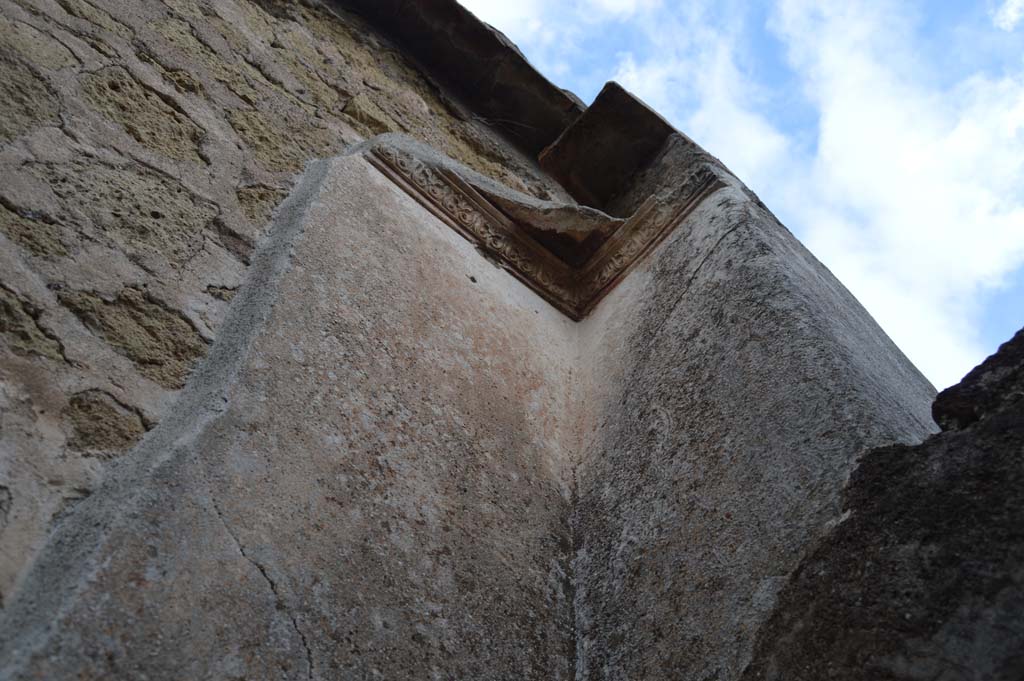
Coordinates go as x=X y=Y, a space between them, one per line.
x=62 y=573
x=280 y=602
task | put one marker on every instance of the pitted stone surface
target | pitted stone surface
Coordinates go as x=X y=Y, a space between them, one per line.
x=102 y=426
x=143 y=113
x=404 y=461
x=144 y=146
x=924 y=576
x=336 y=441
x=161 y=342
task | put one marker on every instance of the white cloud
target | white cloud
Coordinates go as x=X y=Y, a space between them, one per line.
x=545 y=30
x=1009 y=15
x=514 y=18
x=909 y=186
x=915 y=195
x=622 y=7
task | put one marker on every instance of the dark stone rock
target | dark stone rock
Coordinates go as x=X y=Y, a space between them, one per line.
x=924 y=579
x=598 y=155
x=989 y=387
x=480 y=64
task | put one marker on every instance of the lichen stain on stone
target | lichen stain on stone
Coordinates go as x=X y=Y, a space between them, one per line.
x=37 y=235
x=340 y=72
x=162 y=342
x=35 y=47
x=25 y=101
x=19 y=325
x=368 y=117
x=258 y=202
x=149 y=216
x=257 y=20
x=102 y=426
x=143 y=113
x=186 y=8
x=280 y=144
x=295 y=49
x=6 y=499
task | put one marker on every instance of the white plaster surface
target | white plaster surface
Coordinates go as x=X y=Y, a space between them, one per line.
x=398 y=462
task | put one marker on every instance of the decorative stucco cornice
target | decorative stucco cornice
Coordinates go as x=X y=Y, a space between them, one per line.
x=572 y=290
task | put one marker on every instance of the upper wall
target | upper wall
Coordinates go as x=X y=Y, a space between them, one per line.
x=731 y=384
x=397 y=458
x=143 y=147
x=367 y=478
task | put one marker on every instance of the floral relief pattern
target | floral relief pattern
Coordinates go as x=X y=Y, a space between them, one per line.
x=573 y=291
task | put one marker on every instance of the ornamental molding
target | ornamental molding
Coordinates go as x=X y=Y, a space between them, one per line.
x=574 y=291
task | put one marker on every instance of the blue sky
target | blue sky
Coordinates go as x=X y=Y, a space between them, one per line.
x=887 y=134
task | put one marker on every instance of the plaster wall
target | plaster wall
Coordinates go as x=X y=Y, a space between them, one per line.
x=400 y=462
x=731 y=386
x=143 y=148
x=371 y=482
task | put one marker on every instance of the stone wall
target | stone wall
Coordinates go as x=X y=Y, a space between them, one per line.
x=401 y=461
x=738 y=382
x=924 y=576
x=367 y=478
x=143 y=148
x=340 y=437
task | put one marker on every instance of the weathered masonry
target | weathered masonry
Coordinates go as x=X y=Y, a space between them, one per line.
x=338 y=343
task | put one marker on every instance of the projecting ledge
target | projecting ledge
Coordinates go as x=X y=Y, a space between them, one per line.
x=570 y=254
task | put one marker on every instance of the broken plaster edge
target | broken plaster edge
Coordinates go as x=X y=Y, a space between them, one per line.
x=476 y=207
x=68 y=560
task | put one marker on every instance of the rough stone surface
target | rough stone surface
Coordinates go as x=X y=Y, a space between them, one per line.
x=690 y=510
x=994 y=385
x=258 y=202
x=35 y=46
x=143 y=147
x=102 y=426
x=25 y=100
x=38 y=236
x=19 y=323
x=368 y=477
x=162 y=343
x=153 y=220
x=332 y=439
x=924 y=576
x=143 y=113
